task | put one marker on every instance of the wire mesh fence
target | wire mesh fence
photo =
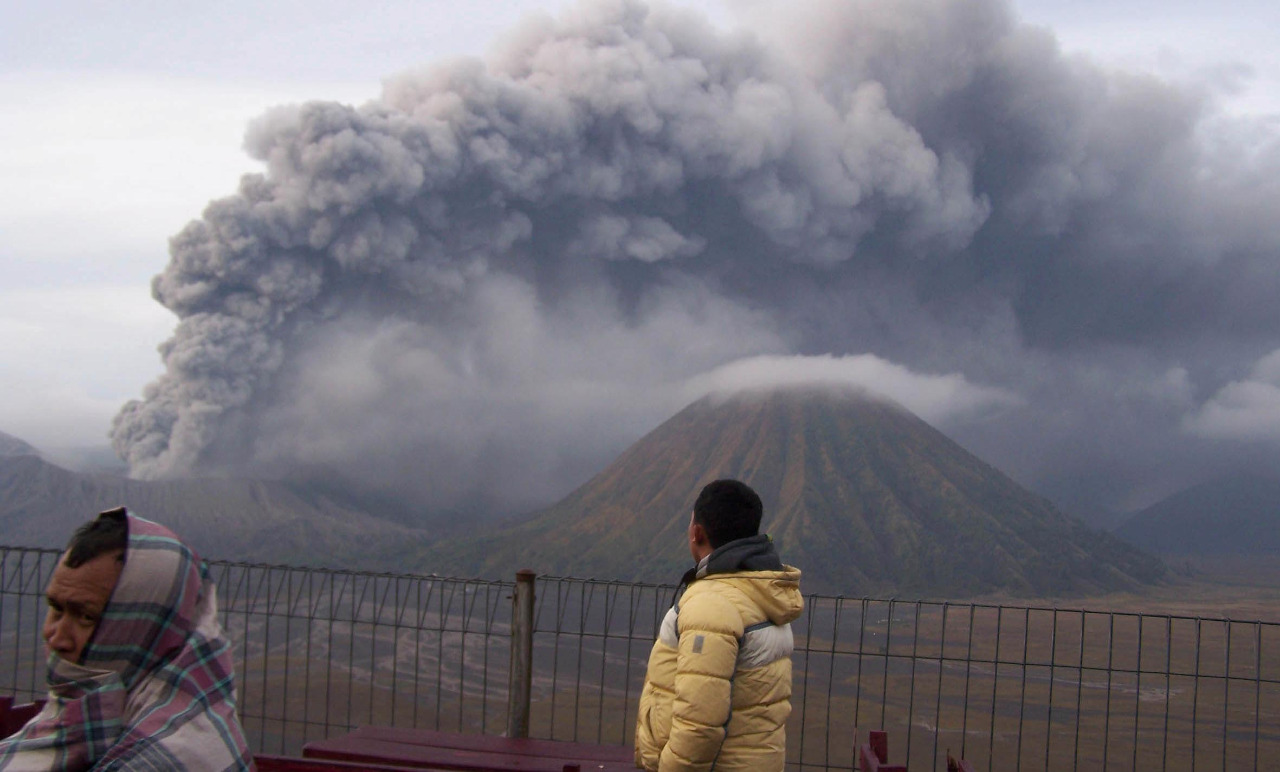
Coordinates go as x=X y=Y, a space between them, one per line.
x=319 y=652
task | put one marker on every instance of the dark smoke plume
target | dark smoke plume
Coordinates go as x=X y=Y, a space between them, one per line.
x=470 y=293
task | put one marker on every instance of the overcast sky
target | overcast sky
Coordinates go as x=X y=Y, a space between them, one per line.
x=125 y=120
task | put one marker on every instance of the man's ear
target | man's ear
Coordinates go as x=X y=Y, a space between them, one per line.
x=698 y=534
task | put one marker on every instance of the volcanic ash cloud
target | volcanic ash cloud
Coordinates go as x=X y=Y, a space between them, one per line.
x=473 y=290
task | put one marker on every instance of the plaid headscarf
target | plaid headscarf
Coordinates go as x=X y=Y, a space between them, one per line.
x=155 y=689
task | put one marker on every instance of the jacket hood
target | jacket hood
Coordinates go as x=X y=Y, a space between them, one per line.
x=754 y=567
x=777 y=593
x=754 y=553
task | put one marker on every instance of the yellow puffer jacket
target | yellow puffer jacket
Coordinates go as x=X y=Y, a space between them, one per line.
x=718 y=690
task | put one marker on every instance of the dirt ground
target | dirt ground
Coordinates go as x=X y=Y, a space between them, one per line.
x=1243 y=589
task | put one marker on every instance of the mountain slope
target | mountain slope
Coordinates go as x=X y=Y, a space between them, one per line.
x=12 y=446
x=1230 y=516
x=859 y=493
x=40 y=504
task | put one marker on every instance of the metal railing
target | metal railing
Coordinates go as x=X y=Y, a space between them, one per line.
x=319 y=652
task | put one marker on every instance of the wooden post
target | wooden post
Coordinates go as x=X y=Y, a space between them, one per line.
x=521 y=677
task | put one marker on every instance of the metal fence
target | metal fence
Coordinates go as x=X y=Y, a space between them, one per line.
x=1008 y=687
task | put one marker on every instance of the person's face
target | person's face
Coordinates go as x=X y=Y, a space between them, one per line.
x=77 y=598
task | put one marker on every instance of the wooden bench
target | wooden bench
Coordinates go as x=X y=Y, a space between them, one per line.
x=391 y=749
x=426 y=749
x=873 y=755
x=14 y=717
x=271 y=763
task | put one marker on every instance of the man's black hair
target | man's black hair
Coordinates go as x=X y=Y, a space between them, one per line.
x=728 y=510
x=107 y=533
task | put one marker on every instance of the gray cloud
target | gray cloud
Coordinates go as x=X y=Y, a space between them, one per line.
x=1248 y=409
x=474 y=290
x=648 y=239
x=935 y=398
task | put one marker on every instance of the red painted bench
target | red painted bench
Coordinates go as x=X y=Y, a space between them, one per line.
x=270 y=763
x=14 y=717
x=390 y=749
x=873 y=755
x=425 y=749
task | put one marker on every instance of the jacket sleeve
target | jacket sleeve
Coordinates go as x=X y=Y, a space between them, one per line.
x=710 y=628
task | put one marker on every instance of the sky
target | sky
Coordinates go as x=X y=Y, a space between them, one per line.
x=1051 y=232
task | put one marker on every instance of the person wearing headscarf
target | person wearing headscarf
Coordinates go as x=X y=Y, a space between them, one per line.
x=139 y=671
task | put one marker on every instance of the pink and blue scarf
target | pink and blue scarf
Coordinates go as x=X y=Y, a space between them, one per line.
x=155 y=688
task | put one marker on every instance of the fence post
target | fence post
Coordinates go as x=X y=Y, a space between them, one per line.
x=518 y=687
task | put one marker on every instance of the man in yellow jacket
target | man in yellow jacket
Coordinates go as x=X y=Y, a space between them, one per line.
x=718 y=690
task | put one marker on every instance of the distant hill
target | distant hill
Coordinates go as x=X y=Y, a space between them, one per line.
x=98 y=459
x=255 y=521
x=859 y=493
x=1229 y=516
x=12 y=446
